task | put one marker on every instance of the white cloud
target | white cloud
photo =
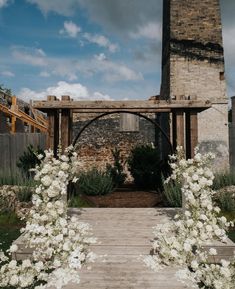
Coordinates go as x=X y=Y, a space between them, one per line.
x=70 y=29
x=100 y=57
x=76 y=91
x=44 y=74
x=101 y=40
x=32 y=56
x=7 y=73
x=4 y=3
x=115 y=71
x=62 y=7
x=121 y=16
x=151 y=30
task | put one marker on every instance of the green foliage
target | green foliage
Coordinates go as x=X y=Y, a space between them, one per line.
x=25 y=194
x=29 y=160
x=116 y=170
x=6 y=179
x=7 y=219
x=95 y=182
x=231 y=235
x=145 y=167
x=79 y=202
x=17 y=180
x=9 y=229
x=226 y=201
x=7 y=236
x=172 y=193
x=223 y=180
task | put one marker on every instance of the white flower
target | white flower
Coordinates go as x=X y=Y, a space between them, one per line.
x=40 y=156
x=26 y=263
x=195 y=177
x=14 y=280
x=66 y=247
x=13 y=248
x=64 y=158
x=187 y=247
x=194 y=264
x=64 y=166
x=212 y=252
x=46 y=181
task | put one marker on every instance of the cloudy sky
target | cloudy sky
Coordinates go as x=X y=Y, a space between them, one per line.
x=90 y=49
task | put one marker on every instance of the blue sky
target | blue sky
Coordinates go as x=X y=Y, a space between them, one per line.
x=90 y=49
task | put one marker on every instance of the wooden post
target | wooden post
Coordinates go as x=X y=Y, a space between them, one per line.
x=13 y=118
x=194 y=131
x=66 y=125
x=53 y=127
x=178 y=128
x=31 y=127
x=191 y=132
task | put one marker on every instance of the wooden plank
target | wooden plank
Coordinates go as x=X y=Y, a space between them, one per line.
x=191 y=131
x=178 y=131
x=66 y=125
x=52 y=124
x=123 y=241
x=13 y=118
x=194 y=131
x=103 y=106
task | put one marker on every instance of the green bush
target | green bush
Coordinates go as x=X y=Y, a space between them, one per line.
x=78 y=202
x=95 y=182
x=172 y=194
x=226 y=201
x=7 y=179
x=223 y=180
x=25 y=194
x=29 y=160
x=116 y=170
x=145 y=167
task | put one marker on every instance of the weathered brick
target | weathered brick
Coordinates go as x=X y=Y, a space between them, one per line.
x=193 y=66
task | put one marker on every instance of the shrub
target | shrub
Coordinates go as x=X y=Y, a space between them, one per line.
x=116 y=170
x=95 y=182
x=145 y=167
x=25 y=194
x=226 y=201
x=172 y=193
x=29 y=160
x=222 y=180
x=78 y=202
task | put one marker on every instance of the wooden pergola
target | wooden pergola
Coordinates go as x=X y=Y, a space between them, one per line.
x=184 y=117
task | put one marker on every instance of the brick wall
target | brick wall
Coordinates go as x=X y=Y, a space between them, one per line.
x=193 y=66
x=97 y=141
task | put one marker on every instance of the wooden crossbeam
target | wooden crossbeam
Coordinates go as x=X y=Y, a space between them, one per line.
x=135 y=105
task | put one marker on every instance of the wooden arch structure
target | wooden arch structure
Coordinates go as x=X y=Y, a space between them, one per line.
x=183 y=115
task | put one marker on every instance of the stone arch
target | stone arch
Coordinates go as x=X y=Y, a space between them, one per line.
x=164 y=134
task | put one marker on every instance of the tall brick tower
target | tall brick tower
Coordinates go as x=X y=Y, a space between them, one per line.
x=193 y=67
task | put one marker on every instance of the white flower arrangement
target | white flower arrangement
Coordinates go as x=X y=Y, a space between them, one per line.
x=60 y=243
x=181 y=242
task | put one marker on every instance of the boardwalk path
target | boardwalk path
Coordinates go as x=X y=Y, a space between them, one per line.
x=123 y=235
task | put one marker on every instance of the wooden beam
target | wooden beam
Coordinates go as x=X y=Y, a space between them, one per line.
x=66 y=125
x=178 y=129
x=191 y=131
x=13 y=118
x=194 y=131
x=104 y=106
x=53 y=127
x=136 y=110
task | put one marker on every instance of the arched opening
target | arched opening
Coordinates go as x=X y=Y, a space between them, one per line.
x=164 y=134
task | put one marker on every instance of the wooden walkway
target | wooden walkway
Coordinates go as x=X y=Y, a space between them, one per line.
x=123 y=235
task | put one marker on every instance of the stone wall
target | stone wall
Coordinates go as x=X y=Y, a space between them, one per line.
x=96 y=143
x=193 y=67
